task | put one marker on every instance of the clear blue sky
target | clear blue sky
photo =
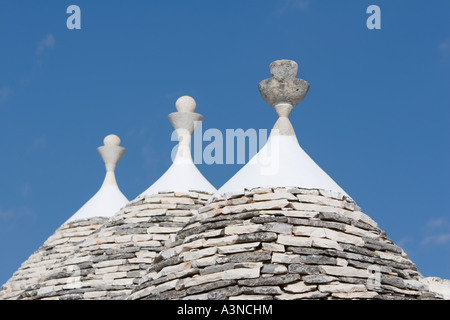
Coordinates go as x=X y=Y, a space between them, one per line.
x=376 y=118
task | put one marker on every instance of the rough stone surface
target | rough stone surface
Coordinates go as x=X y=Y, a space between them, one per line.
x=57 y=247
x=288 y=243
x=109 y=262
x=264 y=243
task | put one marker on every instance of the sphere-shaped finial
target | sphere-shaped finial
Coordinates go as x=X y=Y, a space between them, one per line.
x=185 y=104
x=111 y=140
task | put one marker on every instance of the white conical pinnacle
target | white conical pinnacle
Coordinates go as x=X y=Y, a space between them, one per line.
x=184 y=121
x=111 y=153
x=182 y=175
x=108 y=199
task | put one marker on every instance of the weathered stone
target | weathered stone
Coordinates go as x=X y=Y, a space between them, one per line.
x=211 y=286
x=236 y=201
x=355 y=295
x=242 y=247
x=263 y=205
x=382 y=245
x=258 y=191
x=325 y=243
x=151 y=230
x=393 y=281
x=317 y=259
x=274 y=196
x=224 y=293
x=318 y=279
x=222 y=241
x=342 y=287
x=294 y=241
x=331 y=194
x=303 y=269
x=415 y=285
x=267 y=219
x=270 y=281
x=318 y=237
x=274 y=269
x=133 y=274
x=298 y=214
x=257 y=236
x=251 y=297
x=302 y=191
x=171 y=295
x=299 y=287
x=173 y=269
x=240 y=273
x=233 y=218
x=298 y=296
x=204 y=262
x=246 y=256
x=331 y=216
x=197 y=254
x=200 y=280
x=400 y=291
x=312 y=251
x=355 y=280
x=345 y=271
x=217 y=268
x=341 y=262
x=317 y=223
x=243 y=229
x=273 y=247
x=278 y=227
x=264 y=290
x=285 y=258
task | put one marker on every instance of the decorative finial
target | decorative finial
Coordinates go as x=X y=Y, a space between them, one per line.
x=283 y=86
x=108 y=199
x=184 y=121
x=185 y=104
x=111 y=140
x=283 y=91
x=284 y=70
x=111 y=154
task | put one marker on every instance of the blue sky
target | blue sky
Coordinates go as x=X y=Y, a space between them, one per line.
x=376 y=117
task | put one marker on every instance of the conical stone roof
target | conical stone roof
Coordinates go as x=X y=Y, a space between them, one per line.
x=86 y=220
x=282 y=229
x=110 y=262
x=293 y=234
x=58 y=246
x=282 y=243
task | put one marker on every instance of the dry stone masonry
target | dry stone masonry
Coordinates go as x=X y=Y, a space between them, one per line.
x=282 y=243
x=57 y=247
x=107 y=264
x=286 y=233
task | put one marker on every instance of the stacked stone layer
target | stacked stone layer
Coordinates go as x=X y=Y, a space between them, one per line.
x=108 y=263
x=282 y=243
x=57 y=247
